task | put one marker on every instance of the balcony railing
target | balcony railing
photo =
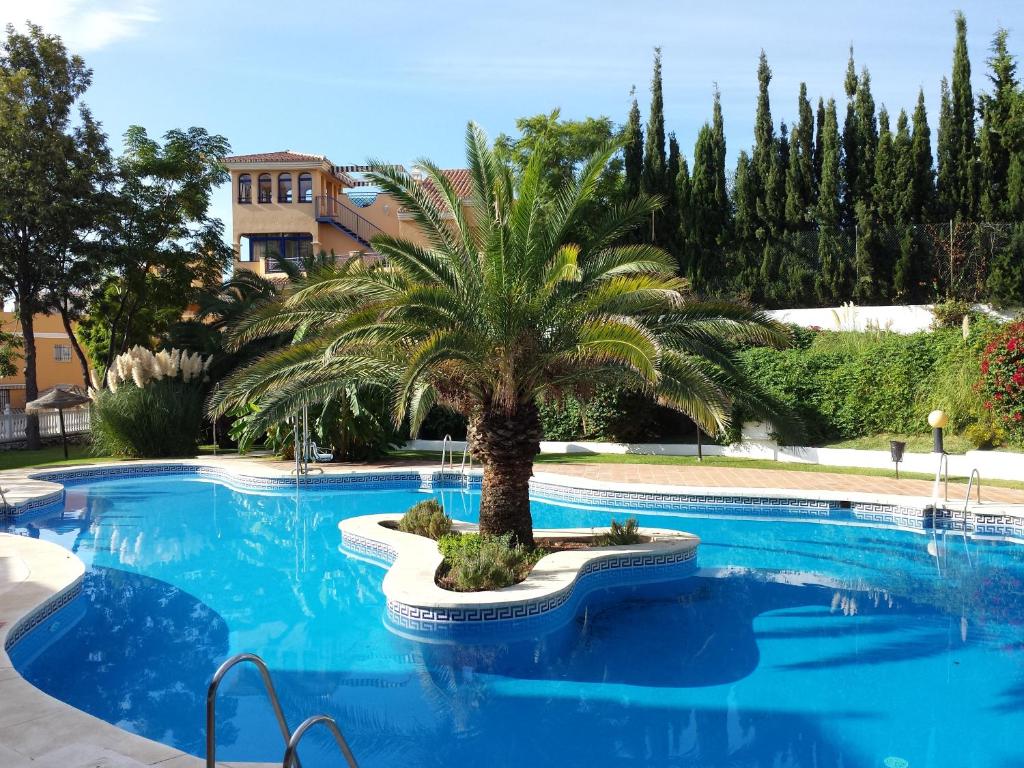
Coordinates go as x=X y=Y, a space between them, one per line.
x=340 y=213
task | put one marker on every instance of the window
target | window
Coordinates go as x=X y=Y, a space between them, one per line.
x=245 y=188
x=305 y=188
x=284 y=188
x=293 y=246
x=264 y=188
x=62 y=353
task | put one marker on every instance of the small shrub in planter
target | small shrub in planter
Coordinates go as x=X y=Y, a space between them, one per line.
x=475 y=563
x=427 y=518
x=620 y=533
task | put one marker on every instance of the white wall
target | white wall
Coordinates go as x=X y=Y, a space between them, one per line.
x=911 y=318
x=997 y=465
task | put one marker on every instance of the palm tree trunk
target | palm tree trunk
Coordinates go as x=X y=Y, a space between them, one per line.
x=506 y=443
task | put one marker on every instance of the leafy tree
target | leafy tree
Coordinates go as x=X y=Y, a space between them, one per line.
x=572 y=142
x=161 y=245
x=52 y=160
x=633 y=150
x=10 y=353
x=490 y=318
x=958 y=154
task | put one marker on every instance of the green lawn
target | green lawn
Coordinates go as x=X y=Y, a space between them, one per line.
x=709 y=461
x=915 y=443
x=52 y=456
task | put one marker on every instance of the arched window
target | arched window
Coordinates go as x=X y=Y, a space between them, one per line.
x=264 y=188
x=305 y=188
x=284 y=188
x=245 y=188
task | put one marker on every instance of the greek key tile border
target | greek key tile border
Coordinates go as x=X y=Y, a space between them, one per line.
x=647 y=500
x=625 y=570
x=41 y=613
x=368 y=547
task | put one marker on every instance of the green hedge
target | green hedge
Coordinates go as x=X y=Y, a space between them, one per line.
x=845 y=385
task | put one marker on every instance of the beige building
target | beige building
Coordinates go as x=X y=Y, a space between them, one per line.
x=55 y=360
x=288 y=205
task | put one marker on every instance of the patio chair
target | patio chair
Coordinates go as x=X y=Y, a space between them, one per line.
x=318 y=455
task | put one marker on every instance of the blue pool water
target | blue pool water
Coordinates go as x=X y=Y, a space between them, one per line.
x=797 y=645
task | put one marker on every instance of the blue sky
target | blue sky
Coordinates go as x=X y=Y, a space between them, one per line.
x=397 y=80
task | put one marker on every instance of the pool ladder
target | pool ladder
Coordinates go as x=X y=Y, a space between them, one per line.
x=291 y=739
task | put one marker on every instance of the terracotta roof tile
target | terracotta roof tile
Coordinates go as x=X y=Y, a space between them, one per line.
x=459 y=178
x=285 y=156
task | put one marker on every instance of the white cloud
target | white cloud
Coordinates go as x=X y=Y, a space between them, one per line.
x=85 y=25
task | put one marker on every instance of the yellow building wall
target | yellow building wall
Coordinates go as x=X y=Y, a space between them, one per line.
x=50 y=371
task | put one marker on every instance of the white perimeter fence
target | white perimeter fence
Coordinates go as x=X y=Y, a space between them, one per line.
x=12 y=423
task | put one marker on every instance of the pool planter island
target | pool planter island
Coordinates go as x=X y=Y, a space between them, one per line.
x=546 y=599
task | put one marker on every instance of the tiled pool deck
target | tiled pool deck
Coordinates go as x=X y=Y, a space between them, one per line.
x=37 y=730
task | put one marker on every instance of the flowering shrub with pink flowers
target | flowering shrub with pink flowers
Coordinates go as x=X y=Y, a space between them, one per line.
x=1002 y=379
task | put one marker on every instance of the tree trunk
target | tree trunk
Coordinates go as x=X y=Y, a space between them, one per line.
x=506 y=443
x=31 y=382
x=83 y=361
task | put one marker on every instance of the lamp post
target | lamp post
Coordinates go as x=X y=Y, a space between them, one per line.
x=937 y=420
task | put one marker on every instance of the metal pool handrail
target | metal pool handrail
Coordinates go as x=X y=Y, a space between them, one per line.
x=211 y=703
x=446 y=445
x=291 y=758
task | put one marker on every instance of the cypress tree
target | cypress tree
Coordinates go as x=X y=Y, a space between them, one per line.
x=996 y=111
x=800 y=166
x=851 y=144
x=805 y=136
x=908 y=269
x=654 y=176
x=903 y=170
x=765 y=150
x=945 y=181
x=867 y=138
x=922 y=197
x=744 y=259
x=819 y=129
x=886 y=205
x=705 y=222
x=691 y=260
x=722 y=205
x=633 y=152
x=768 y=173
x=668 y=225
x=833 y=272
x=958 y=181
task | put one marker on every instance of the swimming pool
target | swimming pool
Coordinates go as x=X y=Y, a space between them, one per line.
x=796 y=644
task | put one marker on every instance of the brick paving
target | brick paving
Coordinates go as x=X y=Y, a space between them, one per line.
x=735 y=477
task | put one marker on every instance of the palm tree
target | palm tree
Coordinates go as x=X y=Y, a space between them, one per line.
x=495 y=309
